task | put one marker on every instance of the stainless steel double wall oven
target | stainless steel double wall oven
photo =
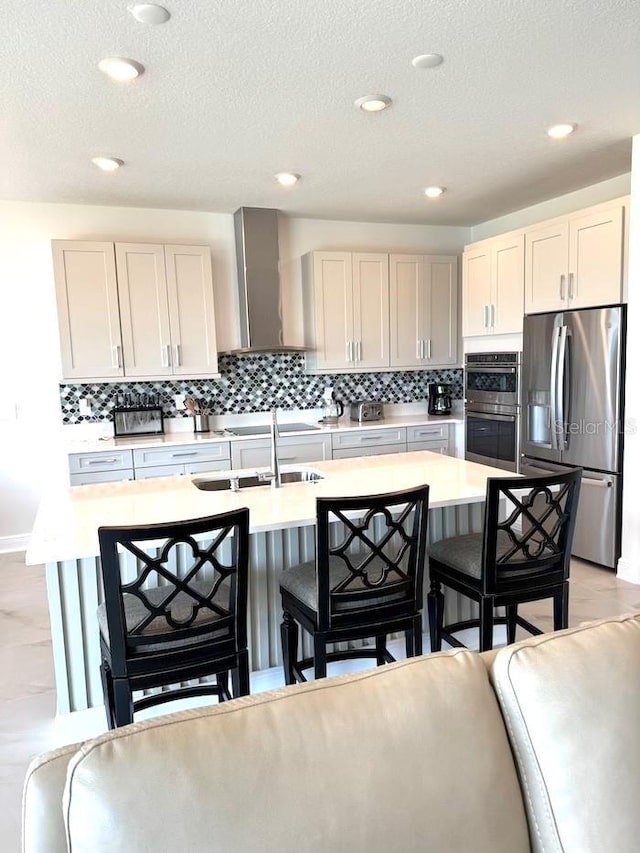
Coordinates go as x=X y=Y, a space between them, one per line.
x=492 y=409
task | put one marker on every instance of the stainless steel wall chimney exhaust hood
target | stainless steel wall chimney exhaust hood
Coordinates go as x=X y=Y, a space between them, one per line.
x=259 y=295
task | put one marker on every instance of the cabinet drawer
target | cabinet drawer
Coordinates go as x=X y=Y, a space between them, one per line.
x=203 y=467
x=428 y=432
x=256 y=452
x=109 y=460
x=89 y=477
x=158 y=471
x=181 y=454
x=433 y=446
x=362 y=438
x=375 y=450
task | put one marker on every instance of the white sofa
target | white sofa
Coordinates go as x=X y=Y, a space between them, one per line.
x=536 y=747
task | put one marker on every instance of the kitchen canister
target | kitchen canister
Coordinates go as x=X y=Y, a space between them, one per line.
x=201 y=423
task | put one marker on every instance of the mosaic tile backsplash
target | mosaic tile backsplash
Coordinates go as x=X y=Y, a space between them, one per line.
x=255 y=383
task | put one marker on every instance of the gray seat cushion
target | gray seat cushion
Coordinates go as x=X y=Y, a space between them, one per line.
x=300 y=582
x=181 y=609
x=464 y=553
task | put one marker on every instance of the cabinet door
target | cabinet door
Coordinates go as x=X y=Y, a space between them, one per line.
x=545 y=267
x=371 y=310
x=88 y=315
x=406 y=297
x=507 y=298
x=142 y=288
x=333 y=309
x=595 y=258
x=440 y=311
x=191 y=311
x=476 y=290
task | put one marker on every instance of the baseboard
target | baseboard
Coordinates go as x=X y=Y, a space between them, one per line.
x=628 y=571
x=10 y=544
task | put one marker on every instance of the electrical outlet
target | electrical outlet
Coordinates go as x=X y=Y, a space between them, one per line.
x=178 y=401
x=84 y=406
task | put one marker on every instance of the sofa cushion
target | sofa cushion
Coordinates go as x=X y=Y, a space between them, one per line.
x=42 y=820
x=411 y=757
x=571 y=702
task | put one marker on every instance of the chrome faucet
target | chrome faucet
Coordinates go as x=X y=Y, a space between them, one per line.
x=276 y=482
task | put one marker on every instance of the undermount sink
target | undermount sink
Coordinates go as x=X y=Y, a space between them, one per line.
x=221 y=484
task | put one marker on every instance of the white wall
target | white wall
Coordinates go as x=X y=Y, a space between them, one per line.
x=30 y=455
x=629 y=563
x=594 y=194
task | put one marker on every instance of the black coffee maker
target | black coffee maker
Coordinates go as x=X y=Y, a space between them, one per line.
x=439 y=399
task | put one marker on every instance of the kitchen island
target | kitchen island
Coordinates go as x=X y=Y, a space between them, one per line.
x=282 y=523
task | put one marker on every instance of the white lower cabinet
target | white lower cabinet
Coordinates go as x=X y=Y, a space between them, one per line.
x=89 y=477
x=256 y=452
x=369 y=442
x=183 y=459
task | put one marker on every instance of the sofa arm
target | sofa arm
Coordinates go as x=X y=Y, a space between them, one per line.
x=42 y=818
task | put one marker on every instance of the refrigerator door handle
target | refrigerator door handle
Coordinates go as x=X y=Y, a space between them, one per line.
x=561 y=360
x=601 y=484
x=553 y=386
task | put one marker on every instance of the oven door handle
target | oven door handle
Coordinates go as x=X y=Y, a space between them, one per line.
x=483 y=416
x=502 y=370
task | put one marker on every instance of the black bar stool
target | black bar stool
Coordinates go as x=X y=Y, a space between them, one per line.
x=369 y=584
x=524 y=558
x=192 y=621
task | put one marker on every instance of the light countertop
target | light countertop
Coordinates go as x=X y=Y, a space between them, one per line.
x=179 y=438
x=68 y=518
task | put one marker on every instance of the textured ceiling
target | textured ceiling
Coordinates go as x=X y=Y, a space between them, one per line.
x=236 y=90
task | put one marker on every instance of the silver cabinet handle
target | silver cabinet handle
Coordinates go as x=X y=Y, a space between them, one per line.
x=372 y=438
x=418 y=348
x=562 y=283
x=486 y=316
x=429 y=348
x=287 y=459
x=112 y=461
x=166 y=355
x=348 y=351
x=115 y=356
x=178 y=355
x=185 y=453
x=493 y=315
x=570 y=285
x=358 y=350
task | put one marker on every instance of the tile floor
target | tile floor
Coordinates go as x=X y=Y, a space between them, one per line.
x=27 y=697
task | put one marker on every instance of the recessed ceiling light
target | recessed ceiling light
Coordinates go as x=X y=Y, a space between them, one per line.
x=150 y=13
x=427 y=60
x=287 y=179
x=107 y=164
x=560 y=131
x=373 y=103
x=121 y=69
x=433 y=192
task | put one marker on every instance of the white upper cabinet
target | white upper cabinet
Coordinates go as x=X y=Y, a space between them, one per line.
x=374 y=311
x=347 y=310
x=160 y=296
x=370 y=310
x=191 y=312
x=330 y=287
x=88 y=316
x=576 y=261
x=144 y=309
x=476 y=290
x=423 y=310
x=493 y=286
x=507 y=297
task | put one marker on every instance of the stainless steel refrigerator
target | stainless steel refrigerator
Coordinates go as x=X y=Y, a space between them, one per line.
x=572 y=415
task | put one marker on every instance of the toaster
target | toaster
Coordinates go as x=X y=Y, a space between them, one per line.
x=366 y=410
